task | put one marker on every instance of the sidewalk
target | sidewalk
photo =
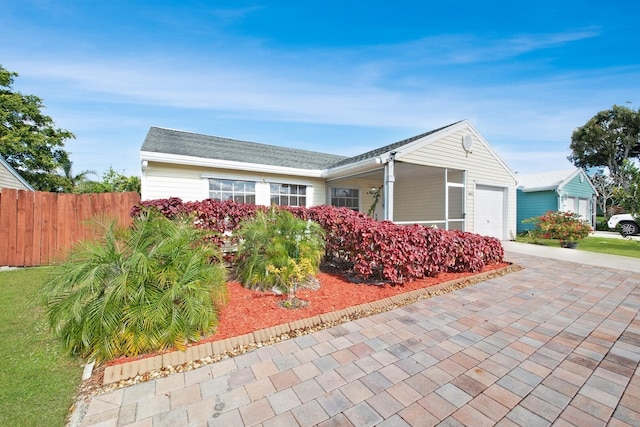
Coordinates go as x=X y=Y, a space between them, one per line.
x=555 y=343
x=577 y=256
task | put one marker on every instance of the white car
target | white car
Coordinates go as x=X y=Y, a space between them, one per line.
x=628 y=224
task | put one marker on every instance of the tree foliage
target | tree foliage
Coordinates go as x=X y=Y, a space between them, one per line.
x=607 y=140
x=112 y=182
x=29 y=140
x=627 y=194
x=605 y=187
x=74 y=180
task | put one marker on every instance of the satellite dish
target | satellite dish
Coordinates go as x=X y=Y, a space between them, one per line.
x=467 y=143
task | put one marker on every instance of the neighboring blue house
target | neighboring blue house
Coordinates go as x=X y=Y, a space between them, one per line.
x=566 y=190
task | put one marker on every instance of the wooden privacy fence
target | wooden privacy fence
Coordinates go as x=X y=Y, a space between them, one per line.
x=37 y=228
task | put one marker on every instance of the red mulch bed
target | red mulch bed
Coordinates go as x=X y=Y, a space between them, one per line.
x=249 y=310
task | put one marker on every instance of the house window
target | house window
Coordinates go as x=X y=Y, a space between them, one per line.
x=288 y=195
x=346 y=197
x=227 y=189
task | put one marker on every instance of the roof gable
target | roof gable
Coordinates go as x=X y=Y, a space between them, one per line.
x=387 y=148
x=168 y=141
x=552 y=180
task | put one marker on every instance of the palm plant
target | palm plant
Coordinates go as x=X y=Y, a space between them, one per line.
x=280 y=251
x=150 y=287
x=74 y=180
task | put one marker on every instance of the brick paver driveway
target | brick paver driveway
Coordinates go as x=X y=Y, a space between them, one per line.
x=556 y=343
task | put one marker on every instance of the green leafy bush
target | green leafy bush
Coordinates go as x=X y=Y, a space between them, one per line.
x=278 y=250
x=150 y=287
x=601 y=223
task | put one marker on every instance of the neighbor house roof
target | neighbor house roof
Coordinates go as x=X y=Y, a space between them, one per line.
x=168 y=141
x=10 y=178
x=545 y=181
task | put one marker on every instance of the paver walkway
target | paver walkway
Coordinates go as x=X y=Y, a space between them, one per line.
x=556 y=343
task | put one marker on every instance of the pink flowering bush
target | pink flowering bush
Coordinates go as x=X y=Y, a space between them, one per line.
x=563 y=226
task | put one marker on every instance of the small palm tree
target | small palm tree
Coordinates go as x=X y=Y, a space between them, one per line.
x=280 y=251
x=150 y=287
x=74 y=180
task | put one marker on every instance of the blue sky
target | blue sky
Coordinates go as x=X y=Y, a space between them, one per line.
x=334 y=76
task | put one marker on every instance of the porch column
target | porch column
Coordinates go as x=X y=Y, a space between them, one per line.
x=446 y=198
x=389 y=180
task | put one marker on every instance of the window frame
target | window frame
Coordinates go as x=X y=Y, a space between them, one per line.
x=299 y=195
x=347 y=197
x=248 y=197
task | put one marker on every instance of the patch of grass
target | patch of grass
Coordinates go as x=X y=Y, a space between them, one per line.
x=37 y=381
x=605 y=245
x=624 y=247
x=536 y=241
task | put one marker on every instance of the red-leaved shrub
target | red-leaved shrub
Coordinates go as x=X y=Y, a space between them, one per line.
x=370 y=249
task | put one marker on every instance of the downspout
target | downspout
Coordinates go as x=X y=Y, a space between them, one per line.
x=390 y=179
x=464 y=201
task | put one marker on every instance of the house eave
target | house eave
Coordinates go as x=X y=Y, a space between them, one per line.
x=362 y=166
x=535 y=189
x=149 y=156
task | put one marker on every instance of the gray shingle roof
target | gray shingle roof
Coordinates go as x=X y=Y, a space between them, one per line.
x=161 y=140
x=544 y=180
x=169 y=141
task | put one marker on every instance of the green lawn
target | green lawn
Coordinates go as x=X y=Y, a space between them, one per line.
x=37 y=381
x=605 y=245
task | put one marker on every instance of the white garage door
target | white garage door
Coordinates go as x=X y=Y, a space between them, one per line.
x=489 y=211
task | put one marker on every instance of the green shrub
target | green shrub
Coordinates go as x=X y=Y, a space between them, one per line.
x=563 y=226
x=601 y=223
x=150 y=287
x=278 y=250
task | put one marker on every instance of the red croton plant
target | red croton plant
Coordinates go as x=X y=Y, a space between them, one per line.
x=369 y=249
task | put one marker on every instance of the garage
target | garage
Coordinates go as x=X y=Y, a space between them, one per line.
x=489 y=211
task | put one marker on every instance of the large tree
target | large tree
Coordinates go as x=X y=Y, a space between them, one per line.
x=605 y=188
x=29 y=140
x=607 y=140
x=627 y=194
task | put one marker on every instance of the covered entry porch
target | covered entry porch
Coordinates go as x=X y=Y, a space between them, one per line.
x=405 y=193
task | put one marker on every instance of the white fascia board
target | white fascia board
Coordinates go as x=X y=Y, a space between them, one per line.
x=227 y=164
x=541 y=188
x=351 y=169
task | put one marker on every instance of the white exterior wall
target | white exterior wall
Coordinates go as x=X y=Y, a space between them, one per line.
x=481 y=164
x=190 y=183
